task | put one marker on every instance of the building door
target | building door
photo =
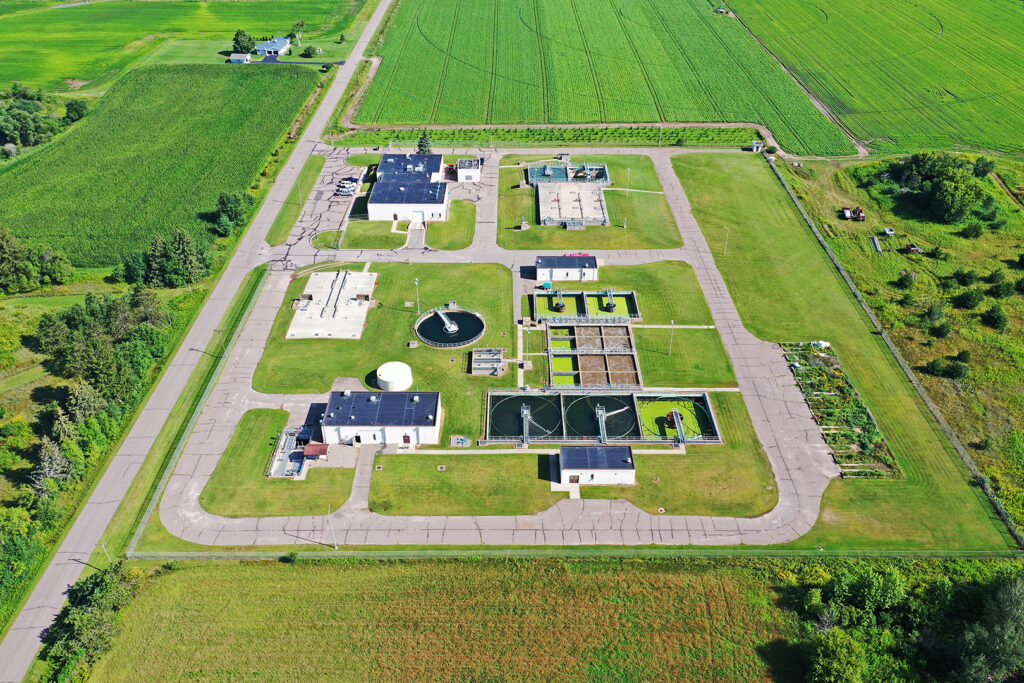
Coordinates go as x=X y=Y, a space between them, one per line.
x=358 y=439
x=406 y=438
x=396 y=216
x=418 y=217
x=574 y=478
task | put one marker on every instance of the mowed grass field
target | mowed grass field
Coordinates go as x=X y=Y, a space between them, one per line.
x=559 y=619
x=239 y=486
x=88 y=46
x=905 y=75
x=585 y=62
x=152 y=158
x=311 y=365
x=471 y=484
x=786 y=290
x=732 y=479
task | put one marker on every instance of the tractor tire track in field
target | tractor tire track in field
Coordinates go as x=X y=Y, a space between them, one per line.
x=391 y=77
x=494 y=66
x=643 y=67
x=590 y=61
x=543 y=67
x=439 y=94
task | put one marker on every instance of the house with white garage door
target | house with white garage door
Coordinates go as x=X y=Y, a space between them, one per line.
x=372 y=417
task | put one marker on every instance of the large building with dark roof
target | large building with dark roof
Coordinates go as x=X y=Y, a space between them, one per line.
x=409 y=188
x=371 y=417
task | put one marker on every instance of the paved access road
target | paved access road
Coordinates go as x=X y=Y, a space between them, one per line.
x=19 y=647
x=792 y=442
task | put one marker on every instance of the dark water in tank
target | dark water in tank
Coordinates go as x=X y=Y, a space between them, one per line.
x=506 y=419
x=470 y=327
x=581 y=419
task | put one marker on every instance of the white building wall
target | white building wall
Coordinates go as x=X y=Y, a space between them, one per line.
x=468 y=175
x=601 y=477
x=574 y=274
x=389 y=435
x=409 y=212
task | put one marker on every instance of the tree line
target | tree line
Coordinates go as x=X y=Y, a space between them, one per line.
x=29 y=118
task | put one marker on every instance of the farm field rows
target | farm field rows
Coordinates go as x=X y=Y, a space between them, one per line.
x=90 y=45
x=904 y=75
x=151 y=158
x=575 y=62
x=450 y=620
x=786 y=290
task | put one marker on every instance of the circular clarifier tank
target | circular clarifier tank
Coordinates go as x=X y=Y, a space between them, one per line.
x=447 y=328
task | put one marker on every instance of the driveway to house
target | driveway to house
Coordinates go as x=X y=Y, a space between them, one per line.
x=21 y=643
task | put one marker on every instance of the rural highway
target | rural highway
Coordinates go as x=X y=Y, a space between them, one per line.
x=19 y=647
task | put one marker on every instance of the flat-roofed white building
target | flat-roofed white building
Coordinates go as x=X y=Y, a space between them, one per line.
x=333 y=305
x=597 y=465
x=573 y=268
x=370 y=417
x=468 y=170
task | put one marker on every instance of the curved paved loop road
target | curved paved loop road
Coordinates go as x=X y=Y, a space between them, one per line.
x=792 y=442
x=796 y=451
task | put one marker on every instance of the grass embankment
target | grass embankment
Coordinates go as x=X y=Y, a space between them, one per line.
x=731 y=479
x=786 y=290
x=239 y=487
x=129 y=512
x=71 y=57
x=545 y=620
x=647 y=218
x=596 y=136
x=129 y=174
x=471 y=484
x=328 y=239
x=698 y=358
x=311 y=365
x=372 y=235
x=457 y=231
x=292 y=207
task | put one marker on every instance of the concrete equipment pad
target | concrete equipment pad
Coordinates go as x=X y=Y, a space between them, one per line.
x=333 y=306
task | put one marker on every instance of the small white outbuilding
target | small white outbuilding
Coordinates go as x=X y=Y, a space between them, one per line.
x=575 y=268
x=597 y=465
x=468 y=170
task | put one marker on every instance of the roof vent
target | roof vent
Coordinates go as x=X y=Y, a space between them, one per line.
x=373 y=399
x=430 y=417
x=348 y=392
x=415 y=399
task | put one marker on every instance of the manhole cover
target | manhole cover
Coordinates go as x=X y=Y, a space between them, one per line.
x=440 y=468
x=379 y=467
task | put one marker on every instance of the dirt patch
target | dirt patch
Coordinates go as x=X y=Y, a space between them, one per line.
x=150 y=37
x=75 y=84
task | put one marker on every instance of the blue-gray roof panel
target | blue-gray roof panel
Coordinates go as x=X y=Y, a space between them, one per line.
x=566 y=262
x=407 y=193
x=382 y=409
x=596 y=458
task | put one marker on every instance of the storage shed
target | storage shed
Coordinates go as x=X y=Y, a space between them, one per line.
x=597 y=465
x=575 y=268
x=468 y=170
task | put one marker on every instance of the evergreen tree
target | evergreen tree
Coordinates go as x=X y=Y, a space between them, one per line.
x=424 y=146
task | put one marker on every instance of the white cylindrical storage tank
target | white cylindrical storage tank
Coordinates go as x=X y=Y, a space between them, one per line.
x=394 y=376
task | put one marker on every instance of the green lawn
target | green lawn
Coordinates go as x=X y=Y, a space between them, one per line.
x=471 y=484
x=328 y=239
x=91 y=45
x=310 y=365
x=698 y=358
x=292 y=207
x=151 y=157
x=731 y=479
x=457 y=232
x=648 y=219
x=635 y=171
x=442 y=619
x=363 y=160
x=239 y=486
x=373 y=235
x=787 y=290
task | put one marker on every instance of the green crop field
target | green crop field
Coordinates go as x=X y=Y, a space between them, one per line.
x=151 y=158
x=90 y=45
x=583 y=62
x=563 y=619
x=928 y=73
x=786 y=290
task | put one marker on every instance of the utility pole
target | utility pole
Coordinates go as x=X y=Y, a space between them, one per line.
x=331 y=523
x=221 y=339
x=726 y=248
x=417 y=281
x=628 y=173
x=671 y=335
x=104 y=546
